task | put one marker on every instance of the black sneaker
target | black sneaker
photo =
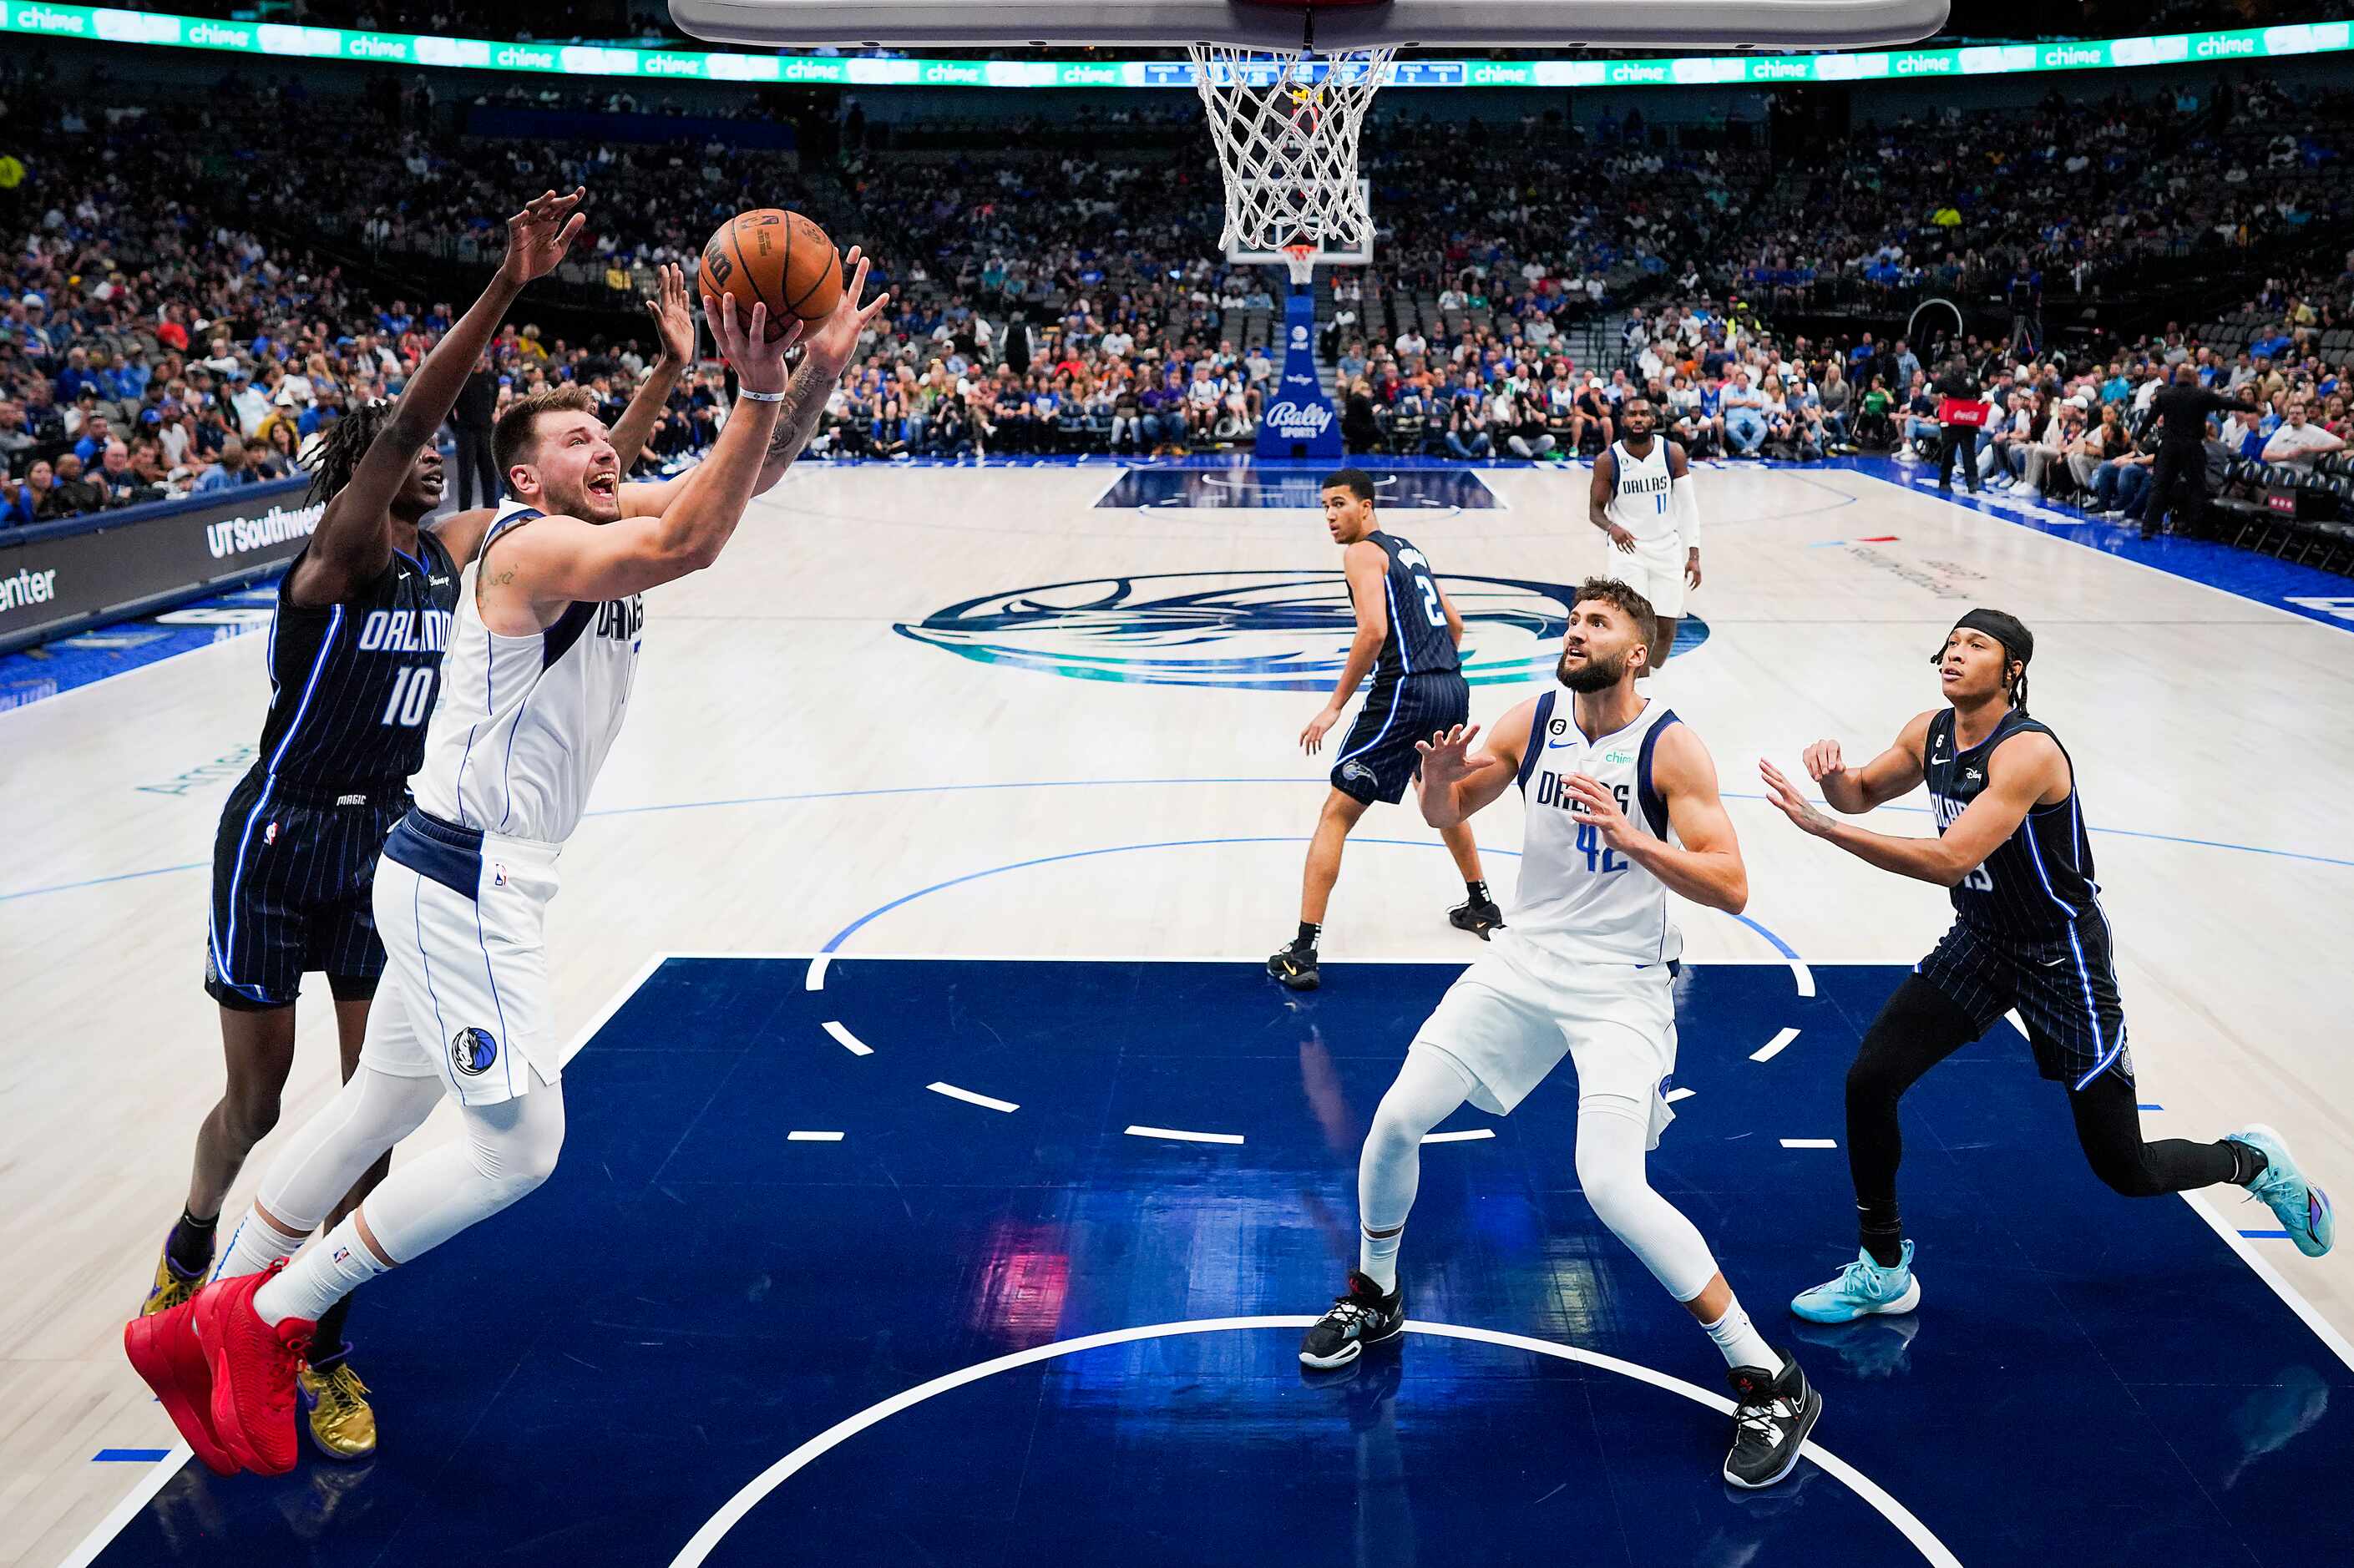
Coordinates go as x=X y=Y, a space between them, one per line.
x=1360 y=1317
x=1295 y=965
x=1476 y=918
x=1771 y=1417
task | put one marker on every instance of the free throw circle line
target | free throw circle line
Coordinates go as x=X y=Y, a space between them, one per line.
x=749 y=1495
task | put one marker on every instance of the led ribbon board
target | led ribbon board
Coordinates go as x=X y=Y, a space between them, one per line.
x=102 y=25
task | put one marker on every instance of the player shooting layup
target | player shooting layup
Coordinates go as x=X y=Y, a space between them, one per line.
x=538 y=674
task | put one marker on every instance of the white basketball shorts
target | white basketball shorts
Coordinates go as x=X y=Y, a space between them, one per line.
x=465 y=993
x=1508 y=1029
x=1655 y=570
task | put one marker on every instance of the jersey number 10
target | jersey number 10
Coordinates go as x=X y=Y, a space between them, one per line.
x=412 y=697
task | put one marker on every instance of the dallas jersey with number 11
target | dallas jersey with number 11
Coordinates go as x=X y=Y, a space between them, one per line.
x=1579 y=900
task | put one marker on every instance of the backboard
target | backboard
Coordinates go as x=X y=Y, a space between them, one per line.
x=1339 y=24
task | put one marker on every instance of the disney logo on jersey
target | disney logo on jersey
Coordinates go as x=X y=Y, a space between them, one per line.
x=1249 y=631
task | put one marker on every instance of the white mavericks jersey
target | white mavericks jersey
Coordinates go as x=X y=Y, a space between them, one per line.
x=524 y=723
x=1579 y=900
x=1641 y=504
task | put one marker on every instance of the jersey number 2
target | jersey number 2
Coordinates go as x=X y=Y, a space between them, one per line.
x=412 y=697
x=1979 y=880
x=1431 y=608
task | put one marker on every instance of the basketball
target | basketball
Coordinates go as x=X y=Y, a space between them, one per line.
x=774 y=258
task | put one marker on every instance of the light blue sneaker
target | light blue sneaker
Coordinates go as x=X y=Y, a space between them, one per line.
x=1861 y=1289
x=2302 y=1208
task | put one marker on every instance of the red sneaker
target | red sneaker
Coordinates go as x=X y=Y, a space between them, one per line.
x=253 y=1367
x=164 y=1350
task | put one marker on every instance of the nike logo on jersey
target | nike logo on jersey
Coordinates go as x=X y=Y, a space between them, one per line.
x=1940 y=759
x=2055 y=963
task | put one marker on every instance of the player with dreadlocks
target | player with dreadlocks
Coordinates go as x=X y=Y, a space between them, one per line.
x=355 y=656
x=2028 y=934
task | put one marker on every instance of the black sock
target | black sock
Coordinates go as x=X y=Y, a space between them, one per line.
x=189 y=1248
x=327 y=1347
x=1308 y=932
x=2248 y=1162
x=1882 y=1232
x=1479 y=892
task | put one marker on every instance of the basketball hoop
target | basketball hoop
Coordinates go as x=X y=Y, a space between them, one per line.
x=1286 y=122
x=1302 y=259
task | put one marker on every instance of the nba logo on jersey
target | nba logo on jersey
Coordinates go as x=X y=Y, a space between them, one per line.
x=270 y=834
x=498 y=873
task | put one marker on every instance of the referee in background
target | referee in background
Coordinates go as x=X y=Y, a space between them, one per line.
x=2178 y=478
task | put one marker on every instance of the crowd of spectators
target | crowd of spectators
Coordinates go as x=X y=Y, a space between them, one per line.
x=177 y=318
x=2070 y=195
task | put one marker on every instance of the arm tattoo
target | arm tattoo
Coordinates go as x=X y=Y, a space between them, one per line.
x=797 y=416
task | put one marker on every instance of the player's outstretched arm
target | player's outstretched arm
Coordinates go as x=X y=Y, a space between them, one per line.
x=1454 y=784
x=1365 y=564
x=566 y=560
x=2022 y=771
x=826 y=354
x=1705 y=863
x=1894 y=772
x=674 y=329
x=353 y=544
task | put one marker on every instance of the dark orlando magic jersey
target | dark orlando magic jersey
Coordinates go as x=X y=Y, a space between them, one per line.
x=2038 y=879
x=352 y=684
x=1418 y=643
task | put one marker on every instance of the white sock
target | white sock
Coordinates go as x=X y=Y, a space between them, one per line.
x=322 y=1277
x=1738 y=1338
x=1377 y=1258
x=254 y=1246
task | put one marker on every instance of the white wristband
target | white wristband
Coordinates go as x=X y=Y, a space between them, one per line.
x=759 y=397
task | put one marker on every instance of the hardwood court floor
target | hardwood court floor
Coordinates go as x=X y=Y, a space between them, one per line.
x=1050 y=713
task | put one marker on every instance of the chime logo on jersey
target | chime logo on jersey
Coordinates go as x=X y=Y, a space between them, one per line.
x=1249 y=631
x=472 y=1051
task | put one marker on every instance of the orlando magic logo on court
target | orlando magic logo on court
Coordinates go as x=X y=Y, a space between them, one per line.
x=472 y=1051
x=1266 y=632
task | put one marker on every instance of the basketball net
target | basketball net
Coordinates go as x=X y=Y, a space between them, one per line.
x=1286 y=122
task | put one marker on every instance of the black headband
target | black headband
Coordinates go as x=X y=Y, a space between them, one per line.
x=2018 y=642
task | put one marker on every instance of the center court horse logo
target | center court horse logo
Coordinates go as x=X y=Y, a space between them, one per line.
x=1259 y=631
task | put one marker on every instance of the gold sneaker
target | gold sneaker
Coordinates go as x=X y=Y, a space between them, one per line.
x=342 y=1424
x=171 y=1288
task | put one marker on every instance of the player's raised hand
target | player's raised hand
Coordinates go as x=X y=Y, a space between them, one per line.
x=760 y=363
x=539 y=235
x=1789 y=802
x=1823 y=759
x=673 y=321
x=1593 y=803
x=1447 y=755
x=836 y=337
